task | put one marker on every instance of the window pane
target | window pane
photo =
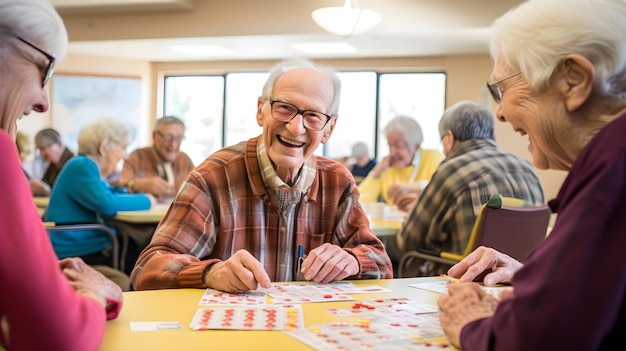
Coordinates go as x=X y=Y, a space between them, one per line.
x=357 y=114
x=417 y=95
x=198 y=101
x=242 y=93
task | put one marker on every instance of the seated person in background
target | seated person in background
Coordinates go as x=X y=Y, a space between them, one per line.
x=45 y=304
x=82 y=196
x=559 y=73
x=474 y=169
x=37 y=187
x=23 y=149
x=363 y=164
x=51 y=148
x=241 y=215
x=159 y=169
x=406 y=166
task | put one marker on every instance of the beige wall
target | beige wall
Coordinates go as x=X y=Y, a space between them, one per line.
x=466 y=77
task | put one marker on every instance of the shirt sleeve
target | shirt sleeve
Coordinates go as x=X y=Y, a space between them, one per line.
x=130 y=170
x=41 y=307
x=88 y=189
x=171 y=258
x=361 y=242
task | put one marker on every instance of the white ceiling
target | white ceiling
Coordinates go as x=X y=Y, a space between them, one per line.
x=273 y=29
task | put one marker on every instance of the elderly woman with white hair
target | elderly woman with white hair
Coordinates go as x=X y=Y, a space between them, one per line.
x=82 y=195
x=45 y=304
x=407 y=168
x=559 y=77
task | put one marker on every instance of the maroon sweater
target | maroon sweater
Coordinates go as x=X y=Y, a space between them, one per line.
x=571 y=293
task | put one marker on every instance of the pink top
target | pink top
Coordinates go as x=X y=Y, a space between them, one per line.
x=41 y=307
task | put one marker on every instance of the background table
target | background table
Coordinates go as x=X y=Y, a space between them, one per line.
x=385 y=227
x=380 y=227
x=152 y=215
x=41 y=201
x=42 y=204
x=181 y=304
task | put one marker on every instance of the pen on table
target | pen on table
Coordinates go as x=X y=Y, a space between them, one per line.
x=299 y=263
x=454 y=280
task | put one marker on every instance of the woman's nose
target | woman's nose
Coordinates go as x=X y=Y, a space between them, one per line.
x=499 y=114
x=43 y=104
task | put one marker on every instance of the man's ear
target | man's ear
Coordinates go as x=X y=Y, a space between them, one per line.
x=329 y=129
x=576 y=80
x=259 y=111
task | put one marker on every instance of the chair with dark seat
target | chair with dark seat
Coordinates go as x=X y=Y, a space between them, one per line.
x=509 y=225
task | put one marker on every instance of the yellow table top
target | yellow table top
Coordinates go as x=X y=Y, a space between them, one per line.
x=181 y=304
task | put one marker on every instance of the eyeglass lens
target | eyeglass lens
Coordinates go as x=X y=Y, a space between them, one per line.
x=495 y=91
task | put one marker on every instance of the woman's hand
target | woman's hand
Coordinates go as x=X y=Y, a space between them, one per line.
x=494 y=265
x=89 y=282
x=465 y=302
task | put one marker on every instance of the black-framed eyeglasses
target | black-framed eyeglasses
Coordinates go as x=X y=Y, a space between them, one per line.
x=496 y=93
x=169 y=137
x=49 y=69
x=285 y=112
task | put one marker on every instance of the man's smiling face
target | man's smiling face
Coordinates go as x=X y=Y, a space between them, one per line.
x=289 y=144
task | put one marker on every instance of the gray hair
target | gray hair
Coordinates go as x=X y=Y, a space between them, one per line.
x=536 y=35
x=408 y=127
x=286 y=65
x=108 y=131
x=166 y=120
x=360 y=149
x=468 y=120
x=47 y=137
x=35 y=21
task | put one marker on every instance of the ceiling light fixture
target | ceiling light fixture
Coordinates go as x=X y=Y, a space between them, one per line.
x=348 y=20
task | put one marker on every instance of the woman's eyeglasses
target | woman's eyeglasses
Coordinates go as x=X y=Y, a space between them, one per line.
x=47 y=73
x=495 y=91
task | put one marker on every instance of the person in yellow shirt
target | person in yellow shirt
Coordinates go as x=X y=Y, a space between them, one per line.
x=406 y=169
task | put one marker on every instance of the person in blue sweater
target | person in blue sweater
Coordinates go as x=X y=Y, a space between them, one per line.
x=82 y=195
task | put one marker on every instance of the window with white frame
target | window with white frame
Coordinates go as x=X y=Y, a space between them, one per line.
x=221 y=110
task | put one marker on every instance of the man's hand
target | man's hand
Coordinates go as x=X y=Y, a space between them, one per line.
x=406 y=194
x=38 y=187
x=405 y=203
x=497 y=267
x=241 y=272
x=465 y=302
x=328 y=263
x=156 y=186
